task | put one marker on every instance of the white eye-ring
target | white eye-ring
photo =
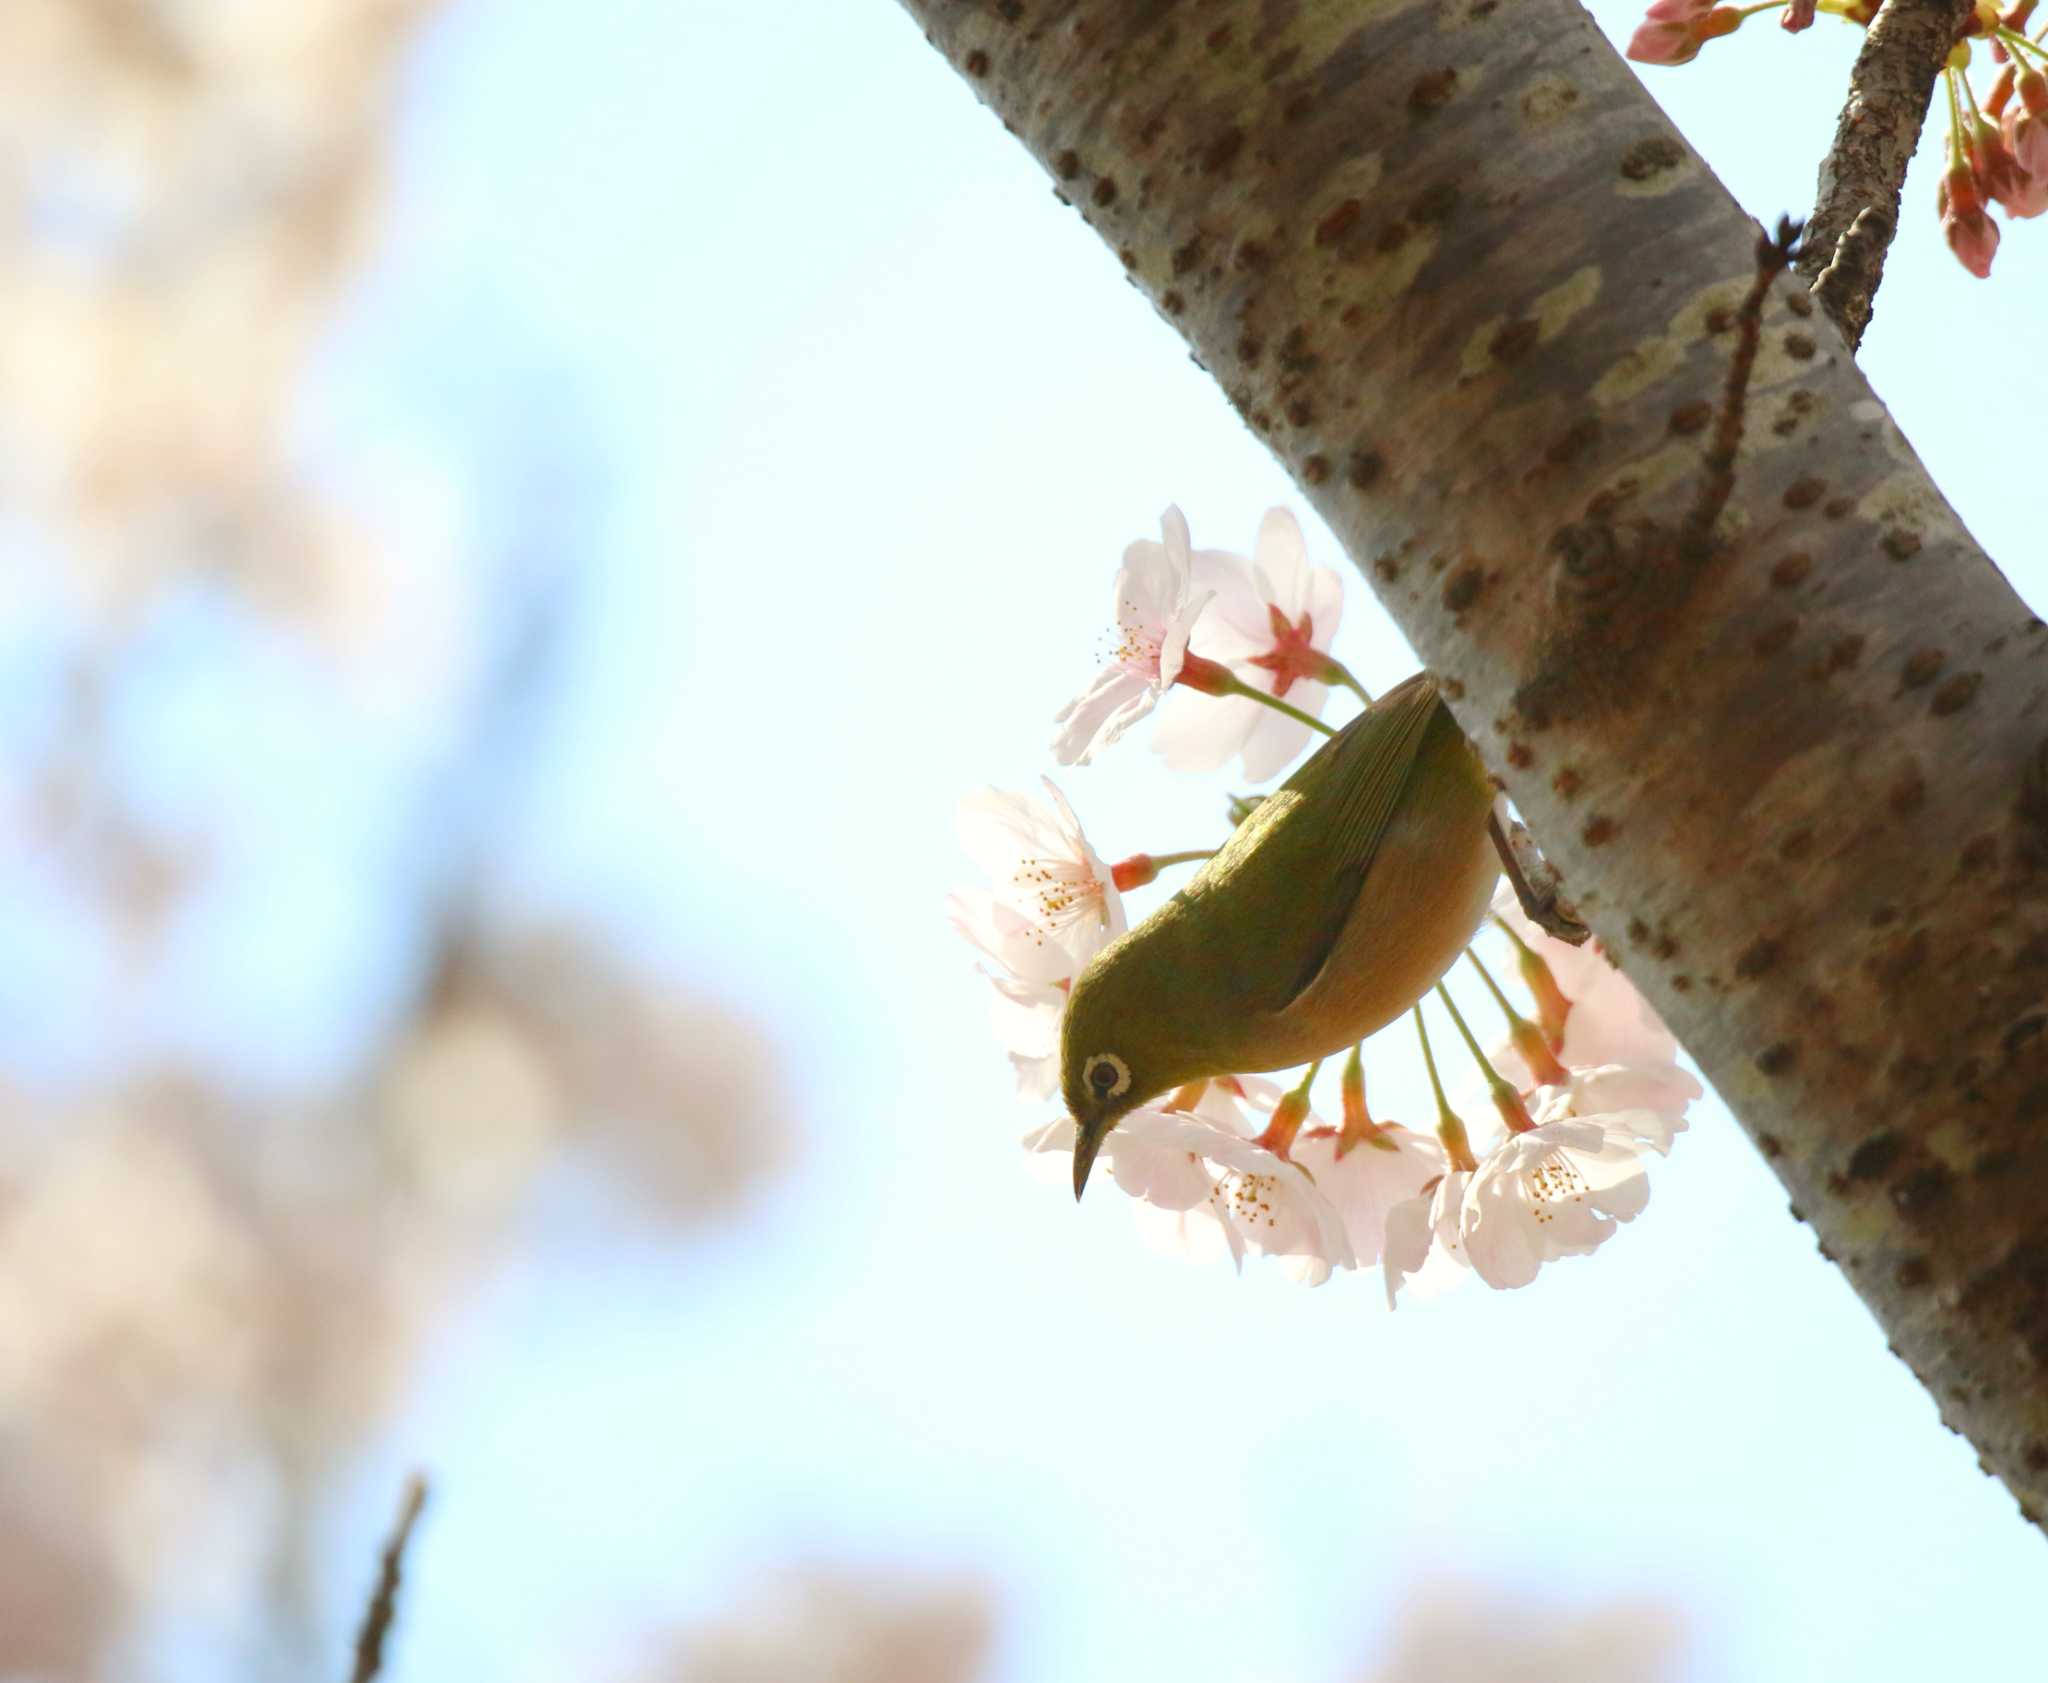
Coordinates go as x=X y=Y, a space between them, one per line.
x=1107 y=1075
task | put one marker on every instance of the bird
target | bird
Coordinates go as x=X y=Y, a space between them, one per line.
x=1337 y=903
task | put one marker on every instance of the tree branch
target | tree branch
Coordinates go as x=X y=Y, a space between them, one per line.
x=1450 y=262
x=1856 y=206
x=383 y=1607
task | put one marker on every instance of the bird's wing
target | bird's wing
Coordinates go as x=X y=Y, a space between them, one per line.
x=1351 y=791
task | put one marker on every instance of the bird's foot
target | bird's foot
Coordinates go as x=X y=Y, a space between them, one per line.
x=1537 y=884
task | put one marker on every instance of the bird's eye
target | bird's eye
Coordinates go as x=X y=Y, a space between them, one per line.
x=1107 y=1075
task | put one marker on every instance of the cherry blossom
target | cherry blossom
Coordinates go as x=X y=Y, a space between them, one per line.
x=1054 y=906
x=1365 y=1180
x=1201 y=1170
x=1043 y=869
x=1155 y=609
x=1270 y=622
x=1557 y=1190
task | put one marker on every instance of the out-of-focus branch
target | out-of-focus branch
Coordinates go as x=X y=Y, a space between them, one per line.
x=1856 y=205
x=383 y=1607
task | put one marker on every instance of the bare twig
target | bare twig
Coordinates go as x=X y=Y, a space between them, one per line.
x=1856 y=206
x=1773 y=256
x=383 y=1607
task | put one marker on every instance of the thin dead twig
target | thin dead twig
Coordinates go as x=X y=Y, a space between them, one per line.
x=383 y=1607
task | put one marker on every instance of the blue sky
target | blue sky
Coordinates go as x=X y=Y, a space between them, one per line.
x=843 y=424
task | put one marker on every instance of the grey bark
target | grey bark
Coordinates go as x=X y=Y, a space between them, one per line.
x=1456 y=270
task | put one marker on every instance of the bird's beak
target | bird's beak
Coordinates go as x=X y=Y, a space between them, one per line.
x=1088 y=1138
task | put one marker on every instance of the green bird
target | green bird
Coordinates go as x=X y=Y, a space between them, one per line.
x=1335 y=906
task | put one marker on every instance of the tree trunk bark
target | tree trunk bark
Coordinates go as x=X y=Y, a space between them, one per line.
x=1456 y=270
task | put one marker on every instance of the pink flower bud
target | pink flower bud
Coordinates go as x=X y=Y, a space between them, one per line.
x=1672 y=31
x=1997 y=171
x=1797 y=16
x=1663 y=43
x=1972 y=235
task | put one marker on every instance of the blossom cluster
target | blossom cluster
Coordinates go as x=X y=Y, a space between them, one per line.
x=1241 y=1165
x=1997 y=149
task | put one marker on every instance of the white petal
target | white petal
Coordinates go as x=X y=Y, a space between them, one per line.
x=1274 y=740
x=1173 y=528
x=1173 y=647
x=1152 y=584
x=1611 y=1023
x=1281 y=555
x=997 y=828
x=1234 y=625
x=1012 y=940
x=1075 y=846
x=1368 y=1181
x=1625 y=1193
x=1056 y=1135
x=1219 y=1107
x=1204 y=732
x=1026 y=1017
x=1165 y=1178
x=1325 y=605
x=1193 y=1234
x=1495 y=1230
x=1408 y=1235
x=1115 y=699
x=1663 y=1088
x=1038 y=1079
